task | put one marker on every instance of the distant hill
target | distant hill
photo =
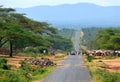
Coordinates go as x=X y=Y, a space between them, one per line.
x=70 y=15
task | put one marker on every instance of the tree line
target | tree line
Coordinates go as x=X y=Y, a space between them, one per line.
x=102 y=38
x=108 y=38
x=18 y=32
x=89 y=36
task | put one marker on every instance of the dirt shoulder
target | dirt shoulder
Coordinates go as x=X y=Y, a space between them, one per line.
x=112 y=65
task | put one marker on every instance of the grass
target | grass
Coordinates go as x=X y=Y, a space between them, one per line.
x=92 y=67
x=30 y=54
x=101 y=75
x=27 y=73
x=40 y=76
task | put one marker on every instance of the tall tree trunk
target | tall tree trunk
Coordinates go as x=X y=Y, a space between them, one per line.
x=11 y=50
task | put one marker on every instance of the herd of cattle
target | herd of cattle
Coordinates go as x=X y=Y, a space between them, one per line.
x=105 y=53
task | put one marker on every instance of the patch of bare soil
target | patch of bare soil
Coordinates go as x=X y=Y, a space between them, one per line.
x=58 y=58
x=112 y=65
x=14 y=61
x=59 y=54
x=82 y=33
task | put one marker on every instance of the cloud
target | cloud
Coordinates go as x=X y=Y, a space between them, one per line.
x=29 y=3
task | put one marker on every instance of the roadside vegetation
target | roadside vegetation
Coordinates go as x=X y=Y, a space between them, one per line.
x=99 y=72
x=21 y=38
x=17 y=33
x=26 y=73
x=104 y=67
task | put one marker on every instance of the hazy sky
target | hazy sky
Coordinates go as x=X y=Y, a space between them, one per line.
x=30 y=3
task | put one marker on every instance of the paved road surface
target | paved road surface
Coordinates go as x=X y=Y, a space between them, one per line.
x=72 y=70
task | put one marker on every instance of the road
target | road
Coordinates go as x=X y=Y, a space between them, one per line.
x=71 y=70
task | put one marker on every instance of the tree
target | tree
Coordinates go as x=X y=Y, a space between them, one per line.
x=21 y=31
x=60 y=43
x=115 y=40
x=89 y=36
x=108 y=39
x=4 y=16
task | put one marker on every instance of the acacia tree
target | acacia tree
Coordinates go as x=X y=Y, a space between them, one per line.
x=19 y=30
x=4 y=17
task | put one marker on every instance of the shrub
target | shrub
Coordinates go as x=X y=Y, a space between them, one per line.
x=89 y=58
x=3 y=64
x=3 y=60
x=6 y=67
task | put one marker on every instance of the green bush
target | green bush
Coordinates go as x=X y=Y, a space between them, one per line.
x=3 y=60
x=3 y=64
x=6 y=67
x=89 y=58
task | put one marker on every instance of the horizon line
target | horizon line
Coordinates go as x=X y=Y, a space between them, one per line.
x=65 y=4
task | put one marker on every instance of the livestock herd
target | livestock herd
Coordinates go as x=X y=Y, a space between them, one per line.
x=106 y=53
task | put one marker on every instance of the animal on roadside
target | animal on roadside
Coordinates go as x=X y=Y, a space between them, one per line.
x=117 y=53
x=101 y=53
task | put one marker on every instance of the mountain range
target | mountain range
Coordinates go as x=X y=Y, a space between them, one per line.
x=75 y=15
